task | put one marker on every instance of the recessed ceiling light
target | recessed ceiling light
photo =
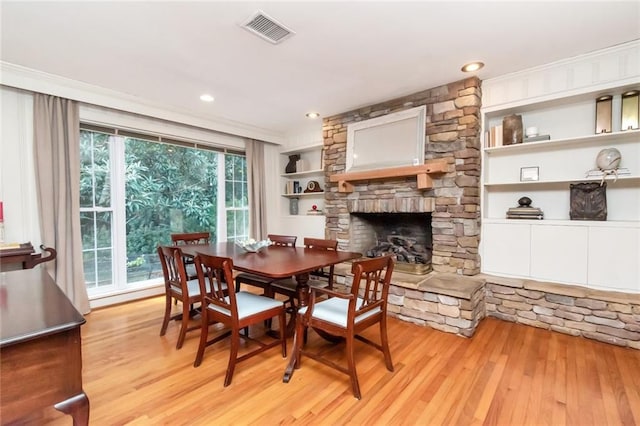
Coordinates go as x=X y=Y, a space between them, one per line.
x=472 y=66
x=206 y=98
x=312 y=115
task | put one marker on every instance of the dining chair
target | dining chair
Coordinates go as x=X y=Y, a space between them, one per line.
x=190 y=238
x=179 y=288
x=260 y=281
x=288 y=286
x=235 y=310
x=346 y=315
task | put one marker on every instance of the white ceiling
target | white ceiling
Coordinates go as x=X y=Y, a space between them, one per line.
x=344 y=55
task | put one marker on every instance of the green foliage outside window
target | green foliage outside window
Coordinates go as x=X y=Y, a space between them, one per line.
x=168 y=189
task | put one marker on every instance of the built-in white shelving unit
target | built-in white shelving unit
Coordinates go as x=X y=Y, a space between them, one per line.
x=311 y=156
x=560 y=101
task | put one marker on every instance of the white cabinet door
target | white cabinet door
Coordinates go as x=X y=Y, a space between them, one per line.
x=613 y=258
x=559 y=253
x=505 y=248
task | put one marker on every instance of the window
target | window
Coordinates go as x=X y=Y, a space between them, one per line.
x=236 y=197
x=96 y=212
x=138 y=189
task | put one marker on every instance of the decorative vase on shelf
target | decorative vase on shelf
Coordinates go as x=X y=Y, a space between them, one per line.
x=512 y=129
x=293 y=206
x=291 y=165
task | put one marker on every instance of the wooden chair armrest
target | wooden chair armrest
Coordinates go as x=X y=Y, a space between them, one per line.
x=331 y=293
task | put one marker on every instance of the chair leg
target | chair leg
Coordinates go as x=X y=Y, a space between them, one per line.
x=268 y=292
x=167 y=315
x=352 y=366
x=298 y=342
x=233 y=354
x=184 y=325
x=385 y=343
x=282 y=319
x=204 y=334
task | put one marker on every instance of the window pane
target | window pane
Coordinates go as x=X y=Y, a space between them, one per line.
x=89 y=263
x=86 y=169
x=228 y=167
x=169 y=189
x=240 y=168
x=239 y=198
x=87 y=230
x=101 y=164
x=228 y=194
x=104 y=263
x=103 y=230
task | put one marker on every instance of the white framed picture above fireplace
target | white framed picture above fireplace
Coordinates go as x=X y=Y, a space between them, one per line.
x=392 y=140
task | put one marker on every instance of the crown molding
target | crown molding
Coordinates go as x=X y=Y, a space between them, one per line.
x=602 y=69
x=24 y=78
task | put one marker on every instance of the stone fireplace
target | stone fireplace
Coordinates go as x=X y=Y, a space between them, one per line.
x=453 y=136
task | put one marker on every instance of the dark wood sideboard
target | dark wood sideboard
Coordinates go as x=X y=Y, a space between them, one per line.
x=23 y=257
x=40 y=353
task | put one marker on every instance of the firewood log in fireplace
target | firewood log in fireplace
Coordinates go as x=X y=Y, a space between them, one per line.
x=404 y=249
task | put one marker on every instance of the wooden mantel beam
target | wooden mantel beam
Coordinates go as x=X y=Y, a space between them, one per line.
x=422 y=173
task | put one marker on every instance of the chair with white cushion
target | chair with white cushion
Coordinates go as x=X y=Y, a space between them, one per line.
x=319 y=278
x=347 y=315
x=179 y=288
x=235 y=310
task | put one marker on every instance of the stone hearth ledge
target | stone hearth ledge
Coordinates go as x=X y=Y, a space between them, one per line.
x=456 y=304
x=445 y=301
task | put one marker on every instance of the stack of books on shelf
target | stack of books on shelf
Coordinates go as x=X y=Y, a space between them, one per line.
x=493 y=136
x=292 y=187
x=524 y=212
x=314 y=212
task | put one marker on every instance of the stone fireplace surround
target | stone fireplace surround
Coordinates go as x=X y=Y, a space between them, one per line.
x=456 y=297
x=453 y=134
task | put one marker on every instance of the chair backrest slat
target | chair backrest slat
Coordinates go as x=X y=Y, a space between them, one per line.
x=318 y=243
x=376 y=285
x=191 y=238
x=213 y=273
x=283 y=240
x=175 y=275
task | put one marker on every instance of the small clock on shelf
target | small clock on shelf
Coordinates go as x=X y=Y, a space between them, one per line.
x=313 y=186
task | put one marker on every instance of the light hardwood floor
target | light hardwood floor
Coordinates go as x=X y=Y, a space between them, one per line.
x=507 y=374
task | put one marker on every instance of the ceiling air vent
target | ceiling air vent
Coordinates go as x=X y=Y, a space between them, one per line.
x=266 y=27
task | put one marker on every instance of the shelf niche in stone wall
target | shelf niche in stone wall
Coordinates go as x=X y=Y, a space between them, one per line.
x=422 y=173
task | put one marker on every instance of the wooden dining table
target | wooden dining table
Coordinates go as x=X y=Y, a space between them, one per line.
x=277 y=262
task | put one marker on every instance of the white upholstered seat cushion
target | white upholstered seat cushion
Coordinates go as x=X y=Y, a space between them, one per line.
x=194 y=287
x=249 y=304
x=334 y=310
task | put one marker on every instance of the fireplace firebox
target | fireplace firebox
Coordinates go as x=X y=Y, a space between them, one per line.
x=405 y=236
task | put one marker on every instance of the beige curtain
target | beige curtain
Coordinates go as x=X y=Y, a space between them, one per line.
x=56 y=144
x=257 y=189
